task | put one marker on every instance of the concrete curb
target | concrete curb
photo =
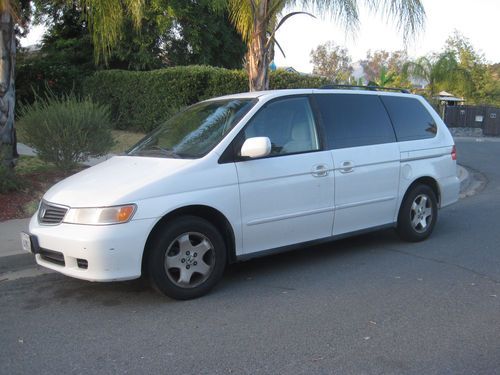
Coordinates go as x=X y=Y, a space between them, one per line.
x=471 y=182
x=477 y=139
x=462 y=173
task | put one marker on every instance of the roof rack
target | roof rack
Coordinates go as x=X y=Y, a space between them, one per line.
x=369 y=88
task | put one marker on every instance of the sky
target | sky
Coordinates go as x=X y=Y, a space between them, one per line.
x=478 y=20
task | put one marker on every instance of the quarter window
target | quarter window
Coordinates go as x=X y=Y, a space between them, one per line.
x=353 y=120
x=288 y=123
x=410 y=118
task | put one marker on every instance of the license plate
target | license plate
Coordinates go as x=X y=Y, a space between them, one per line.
x=26 y=242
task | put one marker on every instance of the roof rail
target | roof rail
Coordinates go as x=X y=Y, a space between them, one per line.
x=369 y=88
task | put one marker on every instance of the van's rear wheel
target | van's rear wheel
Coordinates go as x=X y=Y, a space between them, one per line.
x=418 y=214
x=187 y=259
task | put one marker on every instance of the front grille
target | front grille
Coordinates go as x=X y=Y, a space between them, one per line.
x=52 y=256
x=52 y=214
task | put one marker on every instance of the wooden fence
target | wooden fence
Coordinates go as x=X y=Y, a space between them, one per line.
x=468 y=116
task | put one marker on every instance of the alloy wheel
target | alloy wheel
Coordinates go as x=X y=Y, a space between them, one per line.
x=189 y=260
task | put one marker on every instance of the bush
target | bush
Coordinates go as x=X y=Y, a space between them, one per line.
x=140 y=100
x=66 y=130
x=281 y=79
x=59 y=67
x=9 y=181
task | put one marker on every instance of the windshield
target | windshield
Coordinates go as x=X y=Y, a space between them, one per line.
x=195 y=131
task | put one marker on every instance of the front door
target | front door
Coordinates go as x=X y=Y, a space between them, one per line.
x=287 y=197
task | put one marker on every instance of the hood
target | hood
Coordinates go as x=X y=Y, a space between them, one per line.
x=118 y=180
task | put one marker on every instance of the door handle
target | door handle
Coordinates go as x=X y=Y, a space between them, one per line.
x=347 y=167
x=320 y=170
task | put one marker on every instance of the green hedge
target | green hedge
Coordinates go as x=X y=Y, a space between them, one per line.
x=140 y=100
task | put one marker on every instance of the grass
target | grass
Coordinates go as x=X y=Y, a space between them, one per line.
x=32 y=164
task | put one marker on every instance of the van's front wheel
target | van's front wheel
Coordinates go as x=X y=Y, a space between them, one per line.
x=187 y=259
x=418 y=214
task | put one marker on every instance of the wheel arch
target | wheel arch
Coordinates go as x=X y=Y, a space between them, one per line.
x=212 y=215
x=425 y=180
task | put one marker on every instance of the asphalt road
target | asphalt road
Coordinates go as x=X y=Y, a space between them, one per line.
x=367 y=305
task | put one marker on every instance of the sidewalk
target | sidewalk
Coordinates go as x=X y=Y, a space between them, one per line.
x=10 y=240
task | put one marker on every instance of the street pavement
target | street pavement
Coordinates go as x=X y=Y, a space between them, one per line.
x=366 y=305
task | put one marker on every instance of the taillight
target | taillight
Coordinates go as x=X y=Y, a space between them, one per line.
x=454 y=153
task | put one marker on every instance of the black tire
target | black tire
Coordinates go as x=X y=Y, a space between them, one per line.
x=417 y=214
x=176 y=268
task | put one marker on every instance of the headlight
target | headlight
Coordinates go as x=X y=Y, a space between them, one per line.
x=100 y=215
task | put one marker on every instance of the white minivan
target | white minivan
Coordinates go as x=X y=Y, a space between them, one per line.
x=245 y=175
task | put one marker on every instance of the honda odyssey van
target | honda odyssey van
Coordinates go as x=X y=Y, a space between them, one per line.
x=241 y=176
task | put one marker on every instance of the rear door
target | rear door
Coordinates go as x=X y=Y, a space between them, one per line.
x=366 y=160
x=287 y=197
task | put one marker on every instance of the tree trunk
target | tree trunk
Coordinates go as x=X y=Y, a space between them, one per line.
x=8 y=149
x=257 y=57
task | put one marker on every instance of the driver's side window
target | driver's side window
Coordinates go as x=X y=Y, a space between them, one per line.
x=288 y=123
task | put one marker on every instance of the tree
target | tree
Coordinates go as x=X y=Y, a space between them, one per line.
x=171 y=32
x=384 y=79
x=13 y=18
x=199 y=30
x=477 y=83
x=257 y=21
x=199 y=35
x=63 y=61
x=440 y=71
x=384 y=66
x=490 y=93
x=332 y=61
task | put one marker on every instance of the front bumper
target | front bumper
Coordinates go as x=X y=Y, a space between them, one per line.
x=94 y=253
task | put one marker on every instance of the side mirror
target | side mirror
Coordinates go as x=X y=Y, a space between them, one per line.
x=256 y=147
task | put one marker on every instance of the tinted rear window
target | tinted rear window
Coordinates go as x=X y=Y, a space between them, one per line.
x=353 y=120
x=410 y=118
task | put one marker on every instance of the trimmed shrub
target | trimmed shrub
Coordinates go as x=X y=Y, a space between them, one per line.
x=141 y=100
x=38 y=77
x=66 y=130
x=60 y=66
x=281 y=79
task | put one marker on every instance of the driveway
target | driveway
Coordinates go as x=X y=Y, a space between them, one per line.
x=366 y=305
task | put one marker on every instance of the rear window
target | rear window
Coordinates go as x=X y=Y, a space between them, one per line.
x=353 y=120
x=410 y=118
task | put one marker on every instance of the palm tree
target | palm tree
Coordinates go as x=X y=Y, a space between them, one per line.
x=255 y=20
x=8 y=151
x=384 y=79
x=439 y=71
